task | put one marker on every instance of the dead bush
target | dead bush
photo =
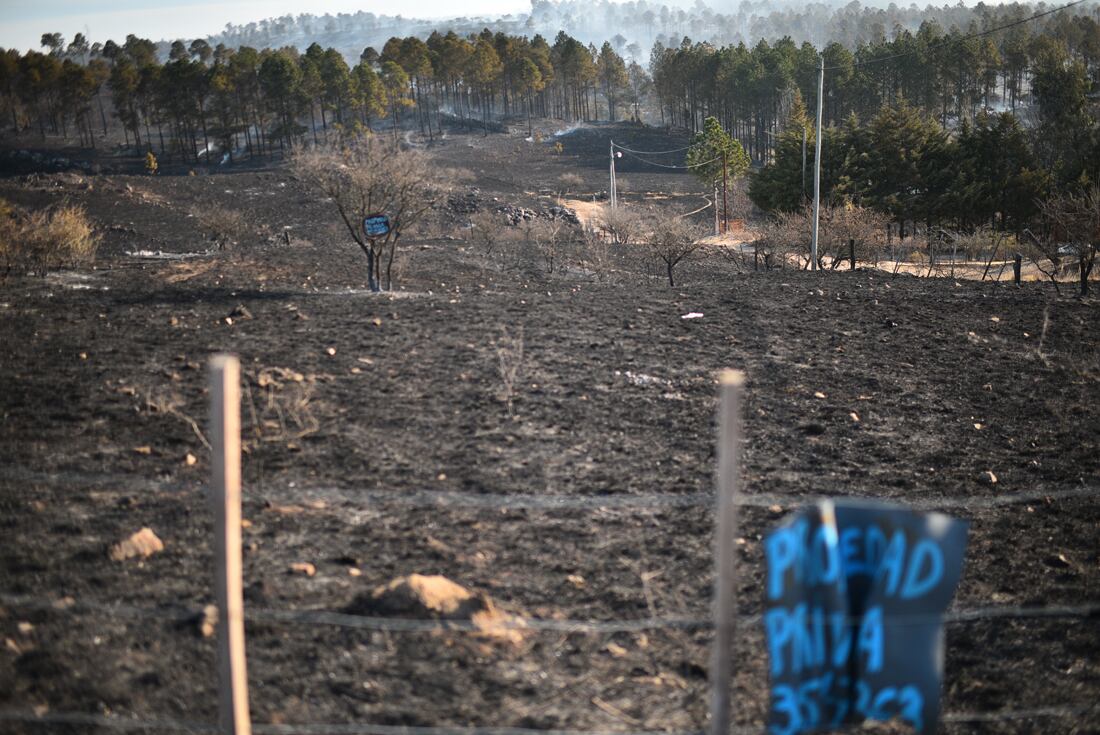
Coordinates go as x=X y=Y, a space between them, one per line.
x=222 y=225
x=487 y=229
x=567 y=183
x=509 y=348
x=847 y=223
x=621 y=226
x=280 y=405
x=596 y=254
x=45 y=240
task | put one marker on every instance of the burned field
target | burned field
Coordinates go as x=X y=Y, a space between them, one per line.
x=544 y=439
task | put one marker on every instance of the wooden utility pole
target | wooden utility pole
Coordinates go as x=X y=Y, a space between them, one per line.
x=225 y=441
x=817 y=164
x=732 y=384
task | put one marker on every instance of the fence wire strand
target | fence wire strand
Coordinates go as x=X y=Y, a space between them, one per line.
x=416 y=625
x=530 y=501
x=364 y=728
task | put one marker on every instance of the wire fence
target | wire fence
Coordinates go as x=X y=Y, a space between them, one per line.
x=320 y=617
x=121 y=723
x=473 y=501
x=444 y=499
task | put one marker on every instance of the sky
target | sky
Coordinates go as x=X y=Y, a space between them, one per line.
x=22 y=22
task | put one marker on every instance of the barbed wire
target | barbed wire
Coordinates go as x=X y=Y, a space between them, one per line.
x=531 y=501
x=364 y=728
x=417 y=625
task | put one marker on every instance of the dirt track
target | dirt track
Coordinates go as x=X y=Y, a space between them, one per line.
x=859 y=383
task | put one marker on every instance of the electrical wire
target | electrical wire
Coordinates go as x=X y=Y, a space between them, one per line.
x=968 y=37
x=665 y=165
x=649 y=153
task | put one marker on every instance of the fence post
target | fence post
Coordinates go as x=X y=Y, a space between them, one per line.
x=729 y=454
x=1017 y=263
x=225 y=441
x=852 y=253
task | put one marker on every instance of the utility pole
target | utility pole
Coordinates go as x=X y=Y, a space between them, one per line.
x=817 y=165
x=803 y=162
x=611 y=191
x=725 y=201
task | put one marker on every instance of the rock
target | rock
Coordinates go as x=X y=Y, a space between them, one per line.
x=987 y=478
x=208 y=621
x=1057 y=561
x=438 y=598
x=615 y=650
x=303 y=567
x=143 y=543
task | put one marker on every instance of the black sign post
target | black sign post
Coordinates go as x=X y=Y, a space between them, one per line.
x=853 y=614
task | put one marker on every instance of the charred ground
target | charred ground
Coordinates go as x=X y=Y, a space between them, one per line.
x=859 y=383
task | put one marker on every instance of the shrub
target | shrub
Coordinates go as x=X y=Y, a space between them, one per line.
x=38 y=242
x=224 y=226
x=620 y=226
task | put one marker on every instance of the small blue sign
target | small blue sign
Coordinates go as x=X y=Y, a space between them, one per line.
x=853 y=614
x=376 y=225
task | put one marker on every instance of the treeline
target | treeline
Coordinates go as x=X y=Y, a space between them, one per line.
x=632 y=27
x=904 y=165
x=945 y=73
x=205 y=100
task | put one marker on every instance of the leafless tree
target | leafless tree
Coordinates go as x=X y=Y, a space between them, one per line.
x=620 y=225
x=487 y=228
x=1074 y=223
x=672 y=241
x=367 y=176
x=547 y=236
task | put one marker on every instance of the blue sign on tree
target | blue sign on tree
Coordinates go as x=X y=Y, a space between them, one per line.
x=853 y=614
x=376 y=225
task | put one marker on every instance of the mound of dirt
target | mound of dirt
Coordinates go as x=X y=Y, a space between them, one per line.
x=434 y=597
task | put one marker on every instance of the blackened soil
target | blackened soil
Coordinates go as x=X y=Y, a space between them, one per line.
x=907 y=389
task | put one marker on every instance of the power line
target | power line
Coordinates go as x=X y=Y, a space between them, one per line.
x=650 y=153
x=665 y=165
x=948 y=42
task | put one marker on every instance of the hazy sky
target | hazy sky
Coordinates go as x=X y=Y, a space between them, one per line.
x=22 y=22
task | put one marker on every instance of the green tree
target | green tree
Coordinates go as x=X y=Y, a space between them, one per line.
x=715 y=157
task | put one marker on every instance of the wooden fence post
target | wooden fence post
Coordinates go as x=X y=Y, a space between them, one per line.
x=729 y=455
x=225 y=441
x=1017 y=263
x=852 y=253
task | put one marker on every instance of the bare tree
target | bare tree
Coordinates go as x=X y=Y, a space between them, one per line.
x=365 y=177
x=486 y=230
x=547 y=237
x=1073 y=221
x=674 y=240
